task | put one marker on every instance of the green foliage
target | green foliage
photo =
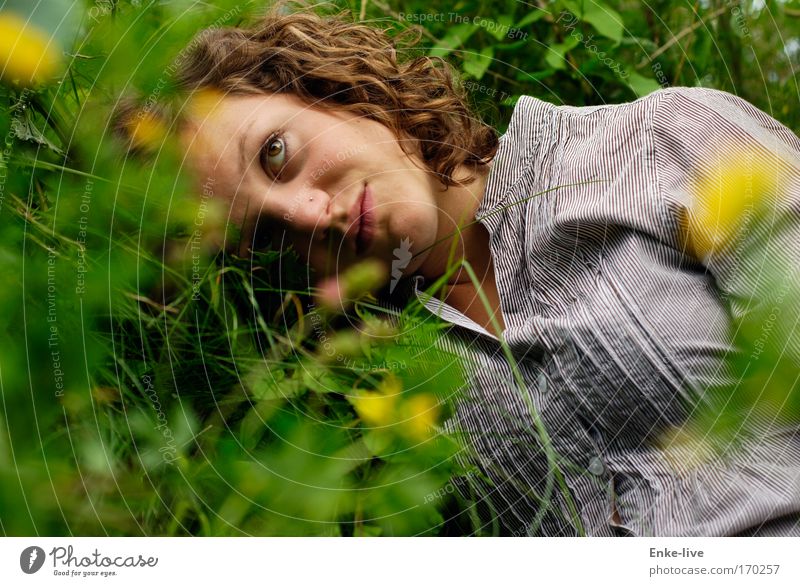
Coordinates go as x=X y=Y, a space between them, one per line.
x=589 y=52
x=153 y=386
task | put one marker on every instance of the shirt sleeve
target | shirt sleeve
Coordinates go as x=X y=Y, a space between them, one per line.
x=729 y=184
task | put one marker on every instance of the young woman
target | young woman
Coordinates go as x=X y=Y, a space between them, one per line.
x=586 y=259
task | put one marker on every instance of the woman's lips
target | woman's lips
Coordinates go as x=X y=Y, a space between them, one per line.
x=366 y=224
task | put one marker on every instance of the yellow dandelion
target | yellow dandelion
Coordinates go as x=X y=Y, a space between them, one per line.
x=727 y=196
x=422 y=414
x=27 y=55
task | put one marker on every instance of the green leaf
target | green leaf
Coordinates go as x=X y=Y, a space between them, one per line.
x=265 y=383
x=604 y=19
x=455 y=38
x=555 y=56
x=318 y=379
x=380 y=442
x=500 y=28
x=534 y=75
x=512 y=47
x=24 y=128
x=477 y=64
x=531 y=17
x=642 y=85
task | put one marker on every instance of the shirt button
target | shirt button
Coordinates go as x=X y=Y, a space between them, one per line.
x=541 y=381
x=596 y=466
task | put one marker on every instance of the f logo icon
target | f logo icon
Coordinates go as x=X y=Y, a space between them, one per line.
x=31 y=559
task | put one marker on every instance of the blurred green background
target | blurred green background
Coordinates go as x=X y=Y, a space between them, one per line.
x=151 y=385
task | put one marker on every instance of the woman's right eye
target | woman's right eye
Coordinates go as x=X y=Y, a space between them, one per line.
x=273 y=156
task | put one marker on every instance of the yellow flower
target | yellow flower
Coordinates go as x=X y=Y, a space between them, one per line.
x=147 y=131
x=391 y=385
x=27 y=55
x=203 y=102
x=379 y=408
x=724 y=199
x=105 y=395
x=375 y=408
x=686 y=448
x=422 y=414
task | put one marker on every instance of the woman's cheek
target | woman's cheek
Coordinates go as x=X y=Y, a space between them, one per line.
x=415 y=232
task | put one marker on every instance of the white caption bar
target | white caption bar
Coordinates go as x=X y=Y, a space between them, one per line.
x=388 y=561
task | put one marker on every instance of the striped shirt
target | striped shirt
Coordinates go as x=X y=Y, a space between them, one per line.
x=617 y=329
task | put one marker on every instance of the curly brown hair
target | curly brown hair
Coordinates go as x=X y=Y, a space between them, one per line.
x=329 y=60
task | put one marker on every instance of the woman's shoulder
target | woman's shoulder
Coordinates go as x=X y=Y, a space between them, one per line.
x=677 y=96
x=690 y=116
x=702 y=122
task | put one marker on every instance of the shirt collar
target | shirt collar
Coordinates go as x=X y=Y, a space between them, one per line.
x=531 y=121
x=444 y=310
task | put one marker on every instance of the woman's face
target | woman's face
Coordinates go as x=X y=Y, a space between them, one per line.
x=336 y=186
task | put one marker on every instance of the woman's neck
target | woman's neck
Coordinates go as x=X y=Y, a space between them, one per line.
x=459 y=237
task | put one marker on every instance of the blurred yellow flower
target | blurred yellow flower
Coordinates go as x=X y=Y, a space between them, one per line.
x=726 y=196
x=414 y=417
x=375 y=408
x=422 y=414
x=686 y=448
x=147 y=131
x=105 y=395
x=27 y=55
x=379 y=407
x=203 y=102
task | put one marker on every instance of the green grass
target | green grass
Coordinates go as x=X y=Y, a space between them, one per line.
x=148 y=390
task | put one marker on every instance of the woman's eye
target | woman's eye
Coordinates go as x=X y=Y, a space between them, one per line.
x=273 y=156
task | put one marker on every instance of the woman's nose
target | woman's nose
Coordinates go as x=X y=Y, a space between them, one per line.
x=307 y=212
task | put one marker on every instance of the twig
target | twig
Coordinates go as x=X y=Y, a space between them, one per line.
x=689 y=29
